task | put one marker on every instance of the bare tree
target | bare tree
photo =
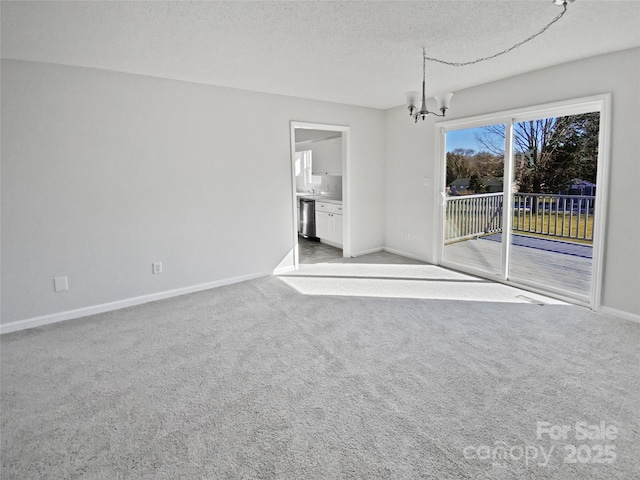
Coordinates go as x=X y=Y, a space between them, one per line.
x=458 y=164
x=465 y=162
x=543 y=160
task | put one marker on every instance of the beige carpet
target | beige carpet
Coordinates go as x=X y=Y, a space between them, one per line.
x=344 y=371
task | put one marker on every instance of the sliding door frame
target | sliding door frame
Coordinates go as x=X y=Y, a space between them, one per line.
x=597 y=103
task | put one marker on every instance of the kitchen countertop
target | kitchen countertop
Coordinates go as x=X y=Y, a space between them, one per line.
x=320 y=197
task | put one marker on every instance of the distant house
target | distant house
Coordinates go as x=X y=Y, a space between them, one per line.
x=580 y=187
x=460 y=186
x=493 y=185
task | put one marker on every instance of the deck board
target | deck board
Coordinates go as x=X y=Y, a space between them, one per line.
x=559 y=271
x=538 y=243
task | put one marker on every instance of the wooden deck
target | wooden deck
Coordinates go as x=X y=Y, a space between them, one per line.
x=559 y=271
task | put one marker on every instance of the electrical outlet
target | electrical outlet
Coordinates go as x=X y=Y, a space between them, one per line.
x=156 y=267
x=60 y=284
x=407 y=236
x=426 y=181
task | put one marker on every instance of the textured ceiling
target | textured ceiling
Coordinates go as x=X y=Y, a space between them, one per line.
x=361 y=53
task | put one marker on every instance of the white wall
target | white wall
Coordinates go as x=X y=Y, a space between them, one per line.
x=104 y=173
x=410 y=157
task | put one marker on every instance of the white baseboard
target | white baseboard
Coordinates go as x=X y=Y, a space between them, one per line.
x=128 y=302
x=281 y=270
x=366 y=252
x=391 y=250
x=332 y=244
x=614 y=312
x=405 y=254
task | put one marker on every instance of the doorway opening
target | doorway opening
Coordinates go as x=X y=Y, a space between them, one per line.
x=524 y=197
x=320 y=180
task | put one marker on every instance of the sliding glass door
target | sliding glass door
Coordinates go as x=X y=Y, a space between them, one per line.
x=473 y=200
x=520 y=198
x=554 y=199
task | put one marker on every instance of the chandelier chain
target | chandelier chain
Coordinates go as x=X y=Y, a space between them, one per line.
x=482 y=59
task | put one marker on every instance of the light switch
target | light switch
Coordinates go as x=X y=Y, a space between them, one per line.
x=60 y=284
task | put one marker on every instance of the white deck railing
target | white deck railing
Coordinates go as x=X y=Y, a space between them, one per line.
x=472 y=215
x=563 y=216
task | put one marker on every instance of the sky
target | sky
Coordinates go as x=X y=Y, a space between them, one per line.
x=463 y=139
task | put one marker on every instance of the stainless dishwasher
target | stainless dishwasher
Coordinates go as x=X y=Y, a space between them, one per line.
x=307 y=227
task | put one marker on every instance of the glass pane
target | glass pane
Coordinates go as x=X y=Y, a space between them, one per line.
x=473 y=205
x=555 y=164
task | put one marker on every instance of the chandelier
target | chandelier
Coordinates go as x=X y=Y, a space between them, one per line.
x=443 y=101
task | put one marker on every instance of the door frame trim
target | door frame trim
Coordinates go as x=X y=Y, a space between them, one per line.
x=574 y=106
x=346 y=182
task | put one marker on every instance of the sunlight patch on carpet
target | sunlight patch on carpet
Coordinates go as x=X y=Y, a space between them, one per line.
x=403 y=281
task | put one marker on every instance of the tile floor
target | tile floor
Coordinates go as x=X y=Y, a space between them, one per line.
x=311 y=252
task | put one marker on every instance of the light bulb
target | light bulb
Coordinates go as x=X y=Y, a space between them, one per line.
x=444 y=101
x=412 y=99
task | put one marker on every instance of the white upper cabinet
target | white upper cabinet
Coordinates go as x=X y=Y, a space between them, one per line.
x=326 y=150
x=327 y=157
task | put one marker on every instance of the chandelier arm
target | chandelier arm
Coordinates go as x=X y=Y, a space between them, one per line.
x=482 y=59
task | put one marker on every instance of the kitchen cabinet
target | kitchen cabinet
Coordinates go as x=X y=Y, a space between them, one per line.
x=322 y=225
x=327 y=157
x=329 y=223
x=337 y=228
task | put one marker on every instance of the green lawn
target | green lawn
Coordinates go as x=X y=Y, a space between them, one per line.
x=552 y=227
x=565 y=227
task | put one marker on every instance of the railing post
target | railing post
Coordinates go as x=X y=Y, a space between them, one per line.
x=476 y=215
